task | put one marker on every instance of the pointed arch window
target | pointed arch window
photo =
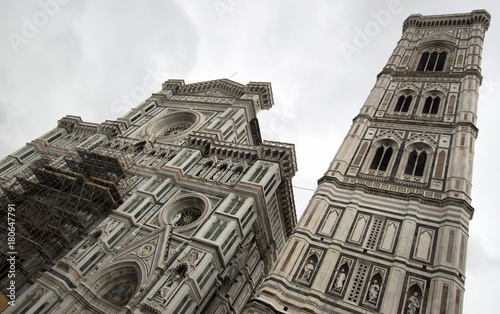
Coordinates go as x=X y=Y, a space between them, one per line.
x=382 y=157
x=432 y=62
x=431 y=105
x=416 y=163
x=403 y=104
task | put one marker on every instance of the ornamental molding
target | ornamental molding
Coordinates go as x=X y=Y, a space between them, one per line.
x=439 y=37
x=422 y=138
x=389 y=135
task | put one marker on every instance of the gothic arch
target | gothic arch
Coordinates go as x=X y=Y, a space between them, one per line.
x=424 y=139
x=406 y=90
x=204 y=167
x=416 y=160
x=404 y=100
x=437 y=39
x=381 y=156
x=221 y=170
x=310 y=265
x=374 y=288
x=95 y=235
x=236 y=171
x=413 y=300
x=340 y=280
x=438 y=43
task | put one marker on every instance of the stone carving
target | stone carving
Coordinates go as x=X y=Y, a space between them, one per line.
x=413 y=304
x=218 y=174
x=95 y=269
x=235 y=175
x=175 y=277
x=174 y=130
x=145 y=250
x=205 y=169
x=373 y=292
x=308 y=270
x=339 y=281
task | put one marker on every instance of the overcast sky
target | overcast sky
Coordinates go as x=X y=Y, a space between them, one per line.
x=97 y=59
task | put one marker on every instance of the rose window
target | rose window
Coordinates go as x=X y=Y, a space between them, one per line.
x=185 y=211
x=175 y=129
x=174 y=125
x=187 y=216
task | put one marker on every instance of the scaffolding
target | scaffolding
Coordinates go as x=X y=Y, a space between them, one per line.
x=57 y=202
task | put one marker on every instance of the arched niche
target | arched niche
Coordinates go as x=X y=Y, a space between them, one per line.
x=310 y=265
x=413 y=300
x=341 y=278
x=118 y=285
x=374 y=289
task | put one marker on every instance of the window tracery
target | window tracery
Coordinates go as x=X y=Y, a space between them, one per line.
x=431 y=105
x=416 y=162
x=382 y=157
x=432 y=61
x=186 y=216
x=184 y=212
x=174 y=129
x=403 y=104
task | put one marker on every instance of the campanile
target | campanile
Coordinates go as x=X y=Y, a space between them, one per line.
x=387 y=228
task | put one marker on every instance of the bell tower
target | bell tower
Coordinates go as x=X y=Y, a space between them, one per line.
x=387 y=228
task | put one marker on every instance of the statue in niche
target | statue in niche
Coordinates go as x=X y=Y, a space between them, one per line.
x=234 y=177
x=164 y=291
x=205 y=169
x=176 y=277
x=373 y=292
x=308 y=270
x=218 y=174
x=339 y=282
x=413 y=304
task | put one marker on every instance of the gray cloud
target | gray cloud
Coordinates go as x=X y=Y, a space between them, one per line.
x=90 y=55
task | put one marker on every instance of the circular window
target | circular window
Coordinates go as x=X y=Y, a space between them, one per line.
x=174 y=130
x=184 y=212
x=174 y=125
x=186 y=216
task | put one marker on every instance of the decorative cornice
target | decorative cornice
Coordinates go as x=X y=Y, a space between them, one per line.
x=416 y=125
x=283 y=153
x=419 y=75
x=394 y=194
x=261 y=89
x=449 y=20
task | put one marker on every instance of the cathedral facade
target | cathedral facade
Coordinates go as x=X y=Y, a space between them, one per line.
x=179 y=206
x=176 y=207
